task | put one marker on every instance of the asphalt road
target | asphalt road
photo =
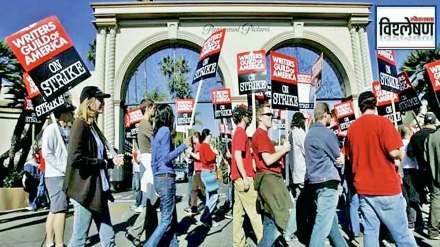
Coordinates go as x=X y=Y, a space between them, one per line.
x=23 y=228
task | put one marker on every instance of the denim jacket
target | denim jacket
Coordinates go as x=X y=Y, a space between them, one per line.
x=321 y=150
x=162 y=153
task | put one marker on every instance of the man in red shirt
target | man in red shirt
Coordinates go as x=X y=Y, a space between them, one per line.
x=275 y=198
x=373 y=147
x=242 y=175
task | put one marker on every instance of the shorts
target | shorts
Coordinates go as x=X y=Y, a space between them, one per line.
x=58 y=199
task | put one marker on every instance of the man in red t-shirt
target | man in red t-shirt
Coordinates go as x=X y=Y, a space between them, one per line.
x=274 y=196
x=242 y=175
x=373 y=148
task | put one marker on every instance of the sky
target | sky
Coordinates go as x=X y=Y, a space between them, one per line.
x=76 y=17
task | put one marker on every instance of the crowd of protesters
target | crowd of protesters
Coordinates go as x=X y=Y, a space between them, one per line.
x=312 y=187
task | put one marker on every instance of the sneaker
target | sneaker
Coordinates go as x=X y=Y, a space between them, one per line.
x=436 y=237
x=228 y=215
x=215 y=223
x=139 y=209
x=135 y=241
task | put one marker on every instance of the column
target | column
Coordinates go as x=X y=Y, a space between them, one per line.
x=100 y=64
x=357 y=85
x=366 y=59
x=109 y=114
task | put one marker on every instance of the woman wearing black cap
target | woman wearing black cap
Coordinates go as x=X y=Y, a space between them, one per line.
x=87 y=181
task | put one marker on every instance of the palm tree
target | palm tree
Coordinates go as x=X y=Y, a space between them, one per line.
x=155 y=95
x=176 y=71
x=91 y=53
x=414 y=66
x=12 y=93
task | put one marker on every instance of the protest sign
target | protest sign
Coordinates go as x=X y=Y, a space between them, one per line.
x=385 y=100
x=222 y=103
x=208 y=59
x=344 y=114
x=30 y=115
x=31 y=89
x=284 y=79
x=388 y=71
x=59 y=74
x=433 y=70
x=408 y=98
x=251 y=70
x=39 y=42
x=184 y=109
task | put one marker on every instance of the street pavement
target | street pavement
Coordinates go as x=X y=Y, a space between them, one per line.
x=21 y=228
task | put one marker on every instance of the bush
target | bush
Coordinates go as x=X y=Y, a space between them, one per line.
x=13 y=179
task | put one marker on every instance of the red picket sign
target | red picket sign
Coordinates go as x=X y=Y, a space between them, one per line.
x=344 y=109
x=31 y=88
x=221 y=96
x=184 y=105
x=39 y=42
x=251 y=62
x=433 y=70
x=284 y=68
x=383 y=97
x=387 y=56
x=213 y=44
x=132 y=117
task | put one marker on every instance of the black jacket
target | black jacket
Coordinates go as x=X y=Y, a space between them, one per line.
x=82 y=181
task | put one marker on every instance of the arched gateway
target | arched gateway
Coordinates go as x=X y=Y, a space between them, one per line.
x=128 y=33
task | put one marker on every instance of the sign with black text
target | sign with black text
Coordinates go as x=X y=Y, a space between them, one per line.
x=208 y=59
x=387 y=111
x=30 y=115
x=344 y=114
x=388 y=71
x=184 y=109
x=221 y=102
x=408 y=98
x=383 y=97
x=284 y=79
x=59 y=74
x=43 y=107
x=251 y=70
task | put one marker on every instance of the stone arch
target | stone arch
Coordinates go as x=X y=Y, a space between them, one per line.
x=150 y=44
x=318 y=42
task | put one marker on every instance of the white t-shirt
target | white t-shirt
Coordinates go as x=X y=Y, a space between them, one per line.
x=53 y=153
x=299 y=165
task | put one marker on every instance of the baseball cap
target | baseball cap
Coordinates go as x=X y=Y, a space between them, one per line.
x=92 y=91
x=430 y=118
x=365 y=96
x=66 y=107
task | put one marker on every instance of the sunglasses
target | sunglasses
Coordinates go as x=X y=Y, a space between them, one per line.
x=268 y=114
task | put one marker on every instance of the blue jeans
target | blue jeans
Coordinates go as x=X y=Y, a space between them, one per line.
x=136 y=186
x=391 y=211
x=354 y=215
x=211 y=199
x=326 y=221
x=270 y=232
x=165 y=233
x=82 y=218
